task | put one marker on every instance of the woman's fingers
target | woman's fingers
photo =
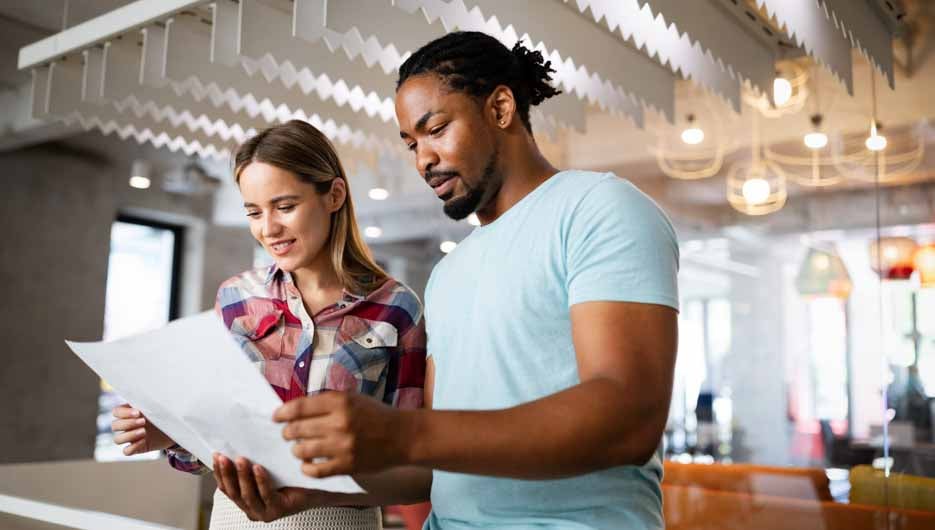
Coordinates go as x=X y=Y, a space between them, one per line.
x=135 y=447
x=126 y=412
x=129 y=436
x=127 y=425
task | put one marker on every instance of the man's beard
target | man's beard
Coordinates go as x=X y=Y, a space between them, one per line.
x=489 y=184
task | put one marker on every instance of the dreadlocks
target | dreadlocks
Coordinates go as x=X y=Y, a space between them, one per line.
x=476 y=63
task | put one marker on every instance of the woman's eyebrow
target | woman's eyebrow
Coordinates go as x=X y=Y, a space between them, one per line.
x=274 y=200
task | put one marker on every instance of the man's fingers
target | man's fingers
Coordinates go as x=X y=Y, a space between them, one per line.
x=229 y=478
x=217 y=473
x=264 y=484
x=316 y=448
x=130 y=436
x=310 y=406
x=304 y=429
x=248 y=489
x=324 y=469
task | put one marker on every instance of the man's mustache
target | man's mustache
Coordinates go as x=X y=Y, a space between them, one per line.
x=429 y=175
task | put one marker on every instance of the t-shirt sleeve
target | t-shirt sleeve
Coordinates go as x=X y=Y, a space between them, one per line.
x=620 y=246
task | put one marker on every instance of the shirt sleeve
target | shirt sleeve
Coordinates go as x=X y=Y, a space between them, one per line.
x=182 y=460
x=410 y=373
x=179 y=457
x=620 y=246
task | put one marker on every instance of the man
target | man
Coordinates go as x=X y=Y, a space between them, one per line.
x=552 y=328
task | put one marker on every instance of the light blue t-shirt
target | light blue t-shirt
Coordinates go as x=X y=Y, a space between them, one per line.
x=499 y=332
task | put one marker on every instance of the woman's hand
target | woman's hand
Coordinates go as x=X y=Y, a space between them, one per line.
x=250 y=487
x=133 y=428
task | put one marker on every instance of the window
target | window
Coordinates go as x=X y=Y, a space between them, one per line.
x=699 y=406
x=142 y=294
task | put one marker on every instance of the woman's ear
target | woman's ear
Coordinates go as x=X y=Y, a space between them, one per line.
x=336 y=195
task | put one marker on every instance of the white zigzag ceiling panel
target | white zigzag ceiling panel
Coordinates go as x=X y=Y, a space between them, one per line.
x=721 y=30
x=827 y=29
x=626 y=19
x=202 y=76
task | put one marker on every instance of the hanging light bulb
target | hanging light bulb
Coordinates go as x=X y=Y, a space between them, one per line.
x=473 y=220
x=823 y=273
x=378 y=194
x=139 y=175
x=692 y=135
x=924 y=261
x=447 y=246
x=373 y=232
x=782 y=91
x=816 y=139
x=876 y=141
x=893 y=257
x=756 y=191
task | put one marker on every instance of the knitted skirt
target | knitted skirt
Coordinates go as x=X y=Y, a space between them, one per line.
x=227 y=516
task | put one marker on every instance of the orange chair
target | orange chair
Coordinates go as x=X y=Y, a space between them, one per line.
x=789 y=482
x=695 y=508
x=413 y=515
x=899 y=490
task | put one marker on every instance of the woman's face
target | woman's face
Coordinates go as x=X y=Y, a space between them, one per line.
x=287 y=216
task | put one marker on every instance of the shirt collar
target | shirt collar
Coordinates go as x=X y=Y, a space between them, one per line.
x=276 y=274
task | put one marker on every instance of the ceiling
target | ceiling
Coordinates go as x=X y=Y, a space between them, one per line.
x=613 y=141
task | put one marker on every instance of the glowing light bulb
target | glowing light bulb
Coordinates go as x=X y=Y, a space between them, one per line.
x=816 y=140
x=693 y=136
x=139 y=182
x=447 y=246
x=378 y=194
x=821 y=262
x=876 y=141
x=373 y=232
x=756 y=191
x=782 y=91
x=473 y=220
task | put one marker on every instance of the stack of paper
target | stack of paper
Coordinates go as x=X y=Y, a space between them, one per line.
x=192 y=380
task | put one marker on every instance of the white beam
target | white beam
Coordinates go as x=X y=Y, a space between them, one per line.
x=108 y=25
x=73 y=517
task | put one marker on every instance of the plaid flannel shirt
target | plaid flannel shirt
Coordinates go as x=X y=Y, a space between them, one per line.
x=373 y=344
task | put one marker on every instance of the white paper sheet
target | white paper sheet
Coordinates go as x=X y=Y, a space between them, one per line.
x=193 y=381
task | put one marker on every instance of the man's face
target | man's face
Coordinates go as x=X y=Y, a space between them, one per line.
x=454 y=143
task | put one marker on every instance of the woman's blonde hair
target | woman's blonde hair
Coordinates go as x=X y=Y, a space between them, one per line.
x=299 y=147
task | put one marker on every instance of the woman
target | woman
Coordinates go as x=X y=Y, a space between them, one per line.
x=325 y=316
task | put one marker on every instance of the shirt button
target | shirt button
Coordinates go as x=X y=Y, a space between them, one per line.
x=302 y=364
x=369 y=340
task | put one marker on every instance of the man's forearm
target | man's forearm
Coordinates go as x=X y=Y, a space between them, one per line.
x=400 y=485
x=592 y=426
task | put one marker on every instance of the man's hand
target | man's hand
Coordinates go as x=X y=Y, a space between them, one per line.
x=250 y=487
x=338 y=433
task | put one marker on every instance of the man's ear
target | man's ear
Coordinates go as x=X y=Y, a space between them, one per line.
x=501 y=106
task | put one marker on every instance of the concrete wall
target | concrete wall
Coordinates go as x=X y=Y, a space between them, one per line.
x=58 y=203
